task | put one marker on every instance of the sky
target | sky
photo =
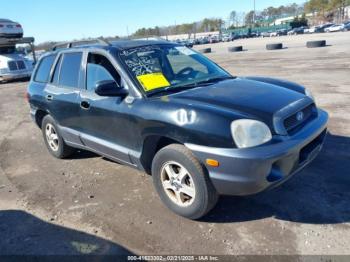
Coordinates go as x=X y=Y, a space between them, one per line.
x=62 y=20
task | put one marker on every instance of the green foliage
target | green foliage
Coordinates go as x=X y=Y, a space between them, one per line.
x=206 y=25
x=249 y=18
x=273 y=12
x=326 y=9
x=298 y=22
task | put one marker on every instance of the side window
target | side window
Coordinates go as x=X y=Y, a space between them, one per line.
x=99 y=68
x=56 y=72
x=70 y=69
x=43 y=73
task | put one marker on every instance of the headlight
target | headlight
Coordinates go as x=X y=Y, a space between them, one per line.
x=250 y=133
x=3 y=71
x=309 y=94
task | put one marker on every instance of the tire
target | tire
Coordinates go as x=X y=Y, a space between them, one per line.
x=235 y=49
x=314 y=44
x=205 y=50
x=204 y=194
x=62 y=150
x=274 y=46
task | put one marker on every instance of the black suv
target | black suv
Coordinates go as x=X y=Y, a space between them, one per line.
x=171 y=112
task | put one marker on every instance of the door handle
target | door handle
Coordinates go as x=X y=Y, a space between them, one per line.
x=85 y=105
x=49 y=97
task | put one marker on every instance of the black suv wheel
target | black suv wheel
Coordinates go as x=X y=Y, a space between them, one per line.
x=54 y=142
x=182 y=182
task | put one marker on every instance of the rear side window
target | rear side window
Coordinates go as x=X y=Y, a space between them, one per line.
x=43 y=72
x=70 y=69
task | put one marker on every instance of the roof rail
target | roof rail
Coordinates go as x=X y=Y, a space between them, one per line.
x=80 y=42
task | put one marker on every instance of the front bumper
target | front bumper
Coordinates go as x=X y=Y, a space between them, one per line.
x=252 y=170
x=15 y=75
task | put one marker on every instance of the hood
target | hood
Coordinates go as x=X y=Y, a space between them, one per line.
x=10 y=57
x=253 y=98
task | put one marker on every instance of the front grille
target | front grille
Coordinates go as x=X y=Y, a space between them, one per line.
x=293 y=122
x=20 y=65
x=12 y=65
x=16 y=65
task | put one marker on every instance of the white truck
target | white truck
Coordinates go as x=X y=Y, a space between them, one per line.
x=13 y=63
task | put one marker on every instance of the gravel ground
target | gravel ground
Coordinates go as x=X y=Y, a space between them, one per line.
x=89 y=205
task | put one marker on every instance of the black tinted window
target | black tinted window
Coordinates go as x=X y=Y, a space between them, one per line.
x=70 y=68
x=43 y=73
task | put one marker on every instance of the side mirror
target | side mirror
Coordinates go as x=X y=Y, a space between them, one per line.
x=110 y=88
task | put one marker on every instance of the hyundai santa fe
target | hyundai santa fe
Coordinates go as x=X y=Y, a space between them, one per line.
x=169 y=111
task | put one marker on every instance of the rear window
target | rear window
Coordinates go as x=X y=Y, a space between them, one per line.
x=43 y=72
x=70 y=68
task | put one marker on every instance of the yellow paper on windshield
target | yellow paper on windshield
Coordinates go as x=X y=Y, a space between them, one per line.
x=153 y=81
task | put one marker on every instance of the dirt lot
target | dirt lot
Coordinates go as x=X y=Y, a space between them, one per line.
x=90 y=205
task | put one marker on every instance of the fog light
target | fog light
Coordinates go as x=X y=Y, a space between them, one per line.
x=212 y=162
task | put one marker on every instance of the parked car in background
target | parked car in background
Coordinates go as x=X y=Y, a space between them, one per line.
x=346 y=27
x=204 y=40
x=297 y=31
x=10 y=29
x=173 y=113
x=265 y=34
x=314 y=29
x=228 y=37
x=306 y=30
x=323 y=28
x=14 y=64
x=334 y=28
x=185 y=42
x=281 y=32
x=214 y=39
x=195 y=41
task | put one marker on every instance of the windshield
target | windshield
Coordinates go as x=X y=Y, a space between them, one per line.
x=170 y=68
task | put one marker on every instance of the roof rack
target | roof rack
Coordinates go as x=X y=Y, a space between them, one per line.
x=79 y=43
x=15 y=41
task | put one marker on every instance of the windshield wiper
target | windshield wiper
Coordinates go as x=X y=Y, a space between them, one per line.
x=170 y=89
x=179 y=88
x=215 y=80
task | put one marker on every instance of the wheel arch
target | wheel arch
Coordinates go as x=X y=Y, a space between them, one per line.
x=39 y=116
x=151 y=145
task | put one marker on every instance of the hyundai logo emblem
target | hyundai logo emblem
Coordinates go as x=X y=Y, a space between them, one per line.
x=300 y=116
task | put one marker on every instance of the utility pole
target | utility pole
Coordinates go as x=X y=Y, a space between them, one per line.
x=254 y=13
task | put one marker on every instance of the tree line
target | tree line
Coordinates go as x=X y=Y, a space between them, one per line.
x=206 y=25
x=323 y=11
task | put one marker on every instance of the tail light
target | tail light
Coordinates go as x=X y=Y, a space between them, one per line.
x=1 y=25
x=18 y=25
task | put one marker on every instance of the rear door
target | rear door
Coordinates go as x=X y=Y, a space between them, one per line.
x=62 y=93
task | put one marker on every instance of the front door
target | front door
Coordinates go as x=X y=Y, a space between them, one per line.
x=105 y=123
